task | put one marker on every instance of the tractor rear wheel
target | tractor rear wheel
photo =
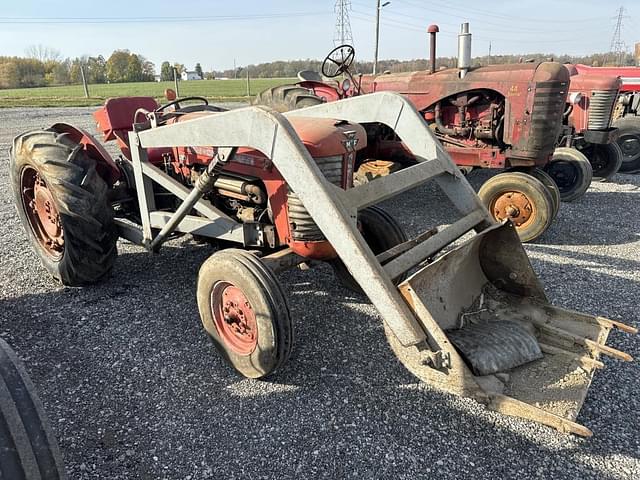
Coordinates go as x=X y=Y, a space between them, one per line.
x=287 y=97
x=381 y=232
x=63 y=205
x=605 y=159
x=571 y=171
x=521 y=198
x=245 y=312
x=629 y=142
x=28 y=447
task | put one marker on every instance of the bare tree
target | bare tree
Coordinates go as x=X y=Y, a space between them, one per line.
x=42 y=53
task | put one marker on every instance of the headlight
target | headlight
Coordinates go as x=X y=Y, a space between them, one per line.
x=575 y=98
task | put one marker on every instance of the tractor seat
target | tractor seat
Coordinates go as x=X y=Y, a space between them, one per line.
x=117 y=113
x=310 y=76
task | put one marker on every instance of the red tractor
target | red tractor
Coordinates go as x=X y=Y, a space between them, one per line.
x=500 y=117
x=587 y=128
x=626 y=116
x=472 y=319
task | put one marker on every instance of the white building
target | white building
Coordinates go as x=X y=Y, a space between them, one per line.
x=190 y=76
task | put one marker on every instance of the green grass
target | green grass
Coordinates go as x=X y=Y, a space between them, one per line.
x=73 y=96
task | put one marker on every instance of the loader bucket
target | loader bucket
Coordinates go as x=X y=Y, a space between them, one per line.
x=494 y=336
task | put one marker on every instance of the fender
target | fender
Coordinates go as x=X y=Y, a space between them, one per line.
x=107 y=167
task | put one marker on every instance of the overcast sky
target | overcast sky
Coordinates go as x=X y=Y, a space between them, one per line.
x=215 y=32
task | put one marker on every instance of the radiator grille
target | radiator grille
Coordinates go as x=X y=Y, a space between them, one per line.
x=303 y=228
x=601 y=106
x=546 y=118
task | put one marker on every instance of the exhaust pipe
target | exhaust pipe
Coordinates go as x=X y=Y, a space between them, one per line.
x=433 y=30
x=464 y=50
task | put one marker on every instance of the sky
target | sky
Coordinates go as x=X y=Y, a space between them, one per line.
x=218 y=33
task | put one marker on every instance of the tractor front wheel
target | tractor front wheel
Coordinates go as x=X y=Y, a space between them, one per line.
x=571 y=171
x=521 y=198
x=629 y=142
x=381 y=232
x=547 y=181
x=605 y=159
x=63 y=205
x=245 y=313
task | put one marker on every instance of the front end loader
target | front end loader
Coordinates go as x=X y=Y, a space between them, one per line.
x=463 y=308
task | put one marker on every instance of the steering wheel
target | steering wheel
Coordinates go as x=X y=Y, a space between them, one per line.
x=176 y=103
x=338 y=61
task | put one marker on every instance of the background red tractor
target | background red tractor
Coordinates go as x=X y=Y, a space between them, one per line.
x=626 y=116
x=587 y=128
x=500 y=117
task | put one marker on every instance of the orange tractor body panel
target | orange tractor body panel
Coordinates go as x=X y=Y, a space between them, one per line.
x=337 y=141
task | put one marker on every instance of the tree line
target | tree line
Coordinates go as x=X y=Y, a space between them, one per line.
x=46 y=67
x=287 y=69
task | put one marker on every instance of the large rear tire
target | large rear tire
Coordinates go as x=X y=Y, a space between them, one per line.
x=629 y=142
x=28 y=448
x=605 y=159
x=287 y=97
x=521 y=198
x=381 y=232
x=63 y=205
x=245 y=312
x=571 y=171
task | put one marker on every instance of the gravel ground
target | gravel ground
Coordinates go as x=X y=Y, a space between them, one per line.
x=135 y=390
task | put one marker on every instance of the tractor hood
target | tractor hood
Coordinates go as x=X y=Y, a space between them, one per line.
x=585 y=83
x=425 y=88
x=630 y=76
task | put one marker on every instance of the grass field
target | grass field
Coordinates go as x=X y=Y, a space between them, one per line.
x=73 y=96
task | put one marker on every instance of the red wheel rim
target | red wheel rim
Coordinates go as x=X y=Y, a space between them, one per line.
x=42 y=213
x=514 y=206
x=234 y=318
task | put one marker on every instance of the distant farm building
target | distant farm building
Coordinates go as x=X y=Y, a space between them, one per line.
x=190 y=76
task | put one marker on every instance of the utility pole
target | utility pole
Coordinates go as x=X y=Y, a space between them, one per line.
x=175 y=81
x=84 y=82
x=379 y=8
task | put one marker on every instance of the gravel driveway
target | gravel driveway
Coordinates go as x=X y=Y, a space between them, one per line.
x=135 y=390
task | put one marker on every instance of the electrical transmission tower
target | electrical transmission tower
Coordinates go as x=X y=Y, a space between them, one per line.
x=343 y=33
x=618 y=47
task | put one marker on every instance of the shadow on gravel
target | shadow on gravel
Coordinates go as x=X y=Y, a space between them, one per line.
x=596 y=261
x=135 y=390
x=599 y=218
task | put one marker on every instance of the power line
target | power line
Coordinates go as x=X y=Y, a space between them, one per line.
x=418 y=28
x=343 y=33
x=172 y=19
x=484 y=13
